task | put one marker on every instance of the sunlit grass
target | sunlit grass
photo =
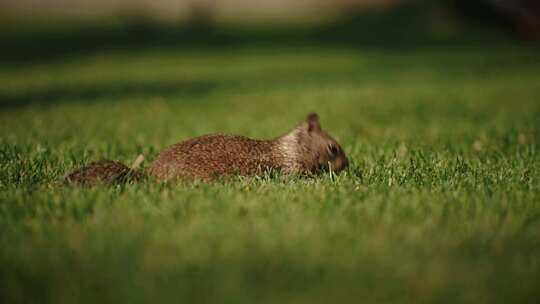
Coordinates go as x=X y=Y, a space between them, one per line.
x=440 y=204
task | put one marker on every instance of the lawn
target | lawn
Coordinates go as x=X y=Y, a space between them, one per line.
x=441 y=203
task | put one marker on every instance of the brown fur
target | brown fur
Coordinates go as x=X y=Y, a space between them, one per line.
x=104 y=171
x=215 y=155
x=306 y=149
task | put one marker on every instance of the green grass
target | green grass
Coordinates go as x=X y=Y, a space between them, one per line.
x=441 y=203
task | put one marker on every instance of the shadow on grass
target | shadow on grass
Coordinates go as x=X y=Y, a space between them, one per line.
x=110 y=91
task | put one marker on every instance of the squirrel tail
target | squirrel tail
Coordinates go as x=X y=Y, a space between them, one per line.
x=107 y=172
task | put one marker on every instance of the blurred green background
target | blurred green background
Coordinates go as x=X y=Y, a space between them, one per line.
x=36 y=30
x=437 y=104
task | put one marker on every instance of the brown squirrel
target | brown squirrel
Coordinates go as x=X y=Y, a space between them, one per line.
x=306 y=149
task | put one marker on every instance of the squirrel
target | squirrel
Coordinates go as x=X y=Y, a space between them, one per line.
x=306 y=149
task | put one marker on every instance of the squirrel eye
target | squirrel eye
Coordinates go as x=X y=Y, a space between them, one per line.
x=333 y=149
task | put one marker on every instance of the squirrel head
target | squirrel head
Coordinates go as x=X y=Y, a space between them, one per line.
x=318 y=150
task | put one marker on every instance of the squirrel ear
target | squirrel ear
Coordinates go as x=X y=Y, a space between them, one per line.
x=312 y=121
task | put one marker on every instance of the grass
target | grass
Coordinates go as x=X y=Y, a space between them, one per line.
x=440 y=204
